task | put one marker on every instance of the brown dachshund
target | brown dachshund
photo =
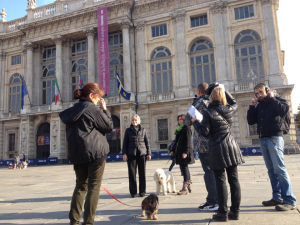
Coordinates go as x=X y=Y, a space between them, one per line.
x=150 y=204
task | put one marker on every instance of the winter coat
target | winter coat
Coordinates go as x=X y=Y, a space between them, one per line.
x=200 y=143
x=136 y=140
x=269 y=116
x=86 y=126
x=223 y=149
x=183 y=144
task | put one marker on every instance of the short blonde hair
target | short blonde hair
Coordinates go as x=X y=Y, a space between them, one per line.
x=218 y=94
x=136 y=116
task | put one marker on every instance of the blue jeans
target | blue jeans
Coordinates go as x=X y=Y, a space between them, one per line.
x=209 y=179
x=274 y=160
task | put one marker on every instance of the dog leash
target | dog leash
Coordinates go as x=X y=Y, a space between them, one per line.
x=166 y=164
x=118 y=199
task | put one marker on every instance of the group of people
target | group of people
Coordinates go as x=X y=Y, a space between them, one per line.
x=87 y=124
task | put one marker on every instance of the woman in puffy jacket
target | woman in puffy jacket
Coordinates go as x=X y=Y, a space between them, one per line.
x=224 y=153
x=87 y=125
x=136 y=150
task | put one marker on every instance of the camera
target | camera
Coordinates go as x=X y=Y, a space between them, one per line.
x=211 y=87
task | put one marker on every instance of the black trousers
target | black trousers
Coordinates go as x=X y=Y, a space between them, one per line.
x=235 y=189
x=133 y=163
x=186 y=172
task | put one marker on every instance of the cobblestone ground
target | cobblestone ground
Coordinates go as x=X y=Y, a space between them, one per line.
x=42 y=194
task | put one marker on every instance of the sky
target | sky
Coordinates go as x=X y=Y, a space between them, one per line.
x=288 y=30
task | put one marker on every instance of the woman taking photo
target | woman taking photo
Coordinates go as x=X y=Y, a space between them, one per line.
x=182 y=152
x=136 y=150
x=224 y=153
x=87 y=125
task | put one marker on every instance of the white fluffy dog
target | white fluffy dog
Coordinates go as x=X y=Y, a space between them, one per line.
x=164 y=180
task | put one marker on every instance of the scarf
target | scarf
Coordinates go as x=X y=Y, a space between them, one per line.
x=178 y=129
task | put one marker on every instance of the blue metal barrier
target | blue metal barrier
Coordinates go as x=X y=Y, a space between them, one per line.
x=244 y=151
x=42 y=161
x=53 y=160
x=252 y=151
x=163 y=154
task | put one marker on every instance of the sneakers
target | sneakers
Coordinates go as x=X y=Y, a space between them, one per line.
x=271 y=203
x=207 y=207
x=285 y=207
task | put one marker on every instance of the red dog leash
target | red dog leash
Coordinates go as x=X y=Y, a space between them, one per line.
x=118 y=199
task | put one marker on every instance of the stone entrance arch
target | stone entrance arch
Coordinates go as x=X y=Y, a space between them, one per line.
x=43 y=141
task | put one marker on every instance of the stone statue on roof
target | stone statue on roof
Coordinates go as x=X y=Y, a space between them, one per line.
x=31 y=4
x=3 y=15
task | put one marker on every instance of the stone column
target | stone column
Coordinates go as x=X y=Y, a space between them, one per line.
x=180 y=50
x=2 y=77
x=140 y=41
x=29 y=46
x=125 y=25
x=273 y=44
x=90 y=33
x=66 y=91
x=1 y=140
x=58 y=40
x=219 y=10
x=36 y=98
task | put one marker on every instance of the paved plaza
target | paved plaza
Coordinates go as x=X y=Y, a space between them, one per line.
x=42 y=194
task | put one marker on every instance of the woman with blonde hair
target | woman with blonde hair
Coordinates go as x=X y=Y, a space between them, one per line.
x=224 y=153
x=136 y=150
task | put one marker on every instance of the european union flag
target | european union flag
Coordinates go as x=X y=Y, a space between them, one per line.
x=126 y=95
x=24 y=92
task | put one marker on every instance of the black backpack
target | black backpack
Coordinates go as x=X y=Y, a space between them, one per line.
x=286 y=120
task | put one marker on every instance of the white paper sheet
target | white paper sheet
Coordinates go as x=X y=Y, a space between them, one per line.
x=222 y=86
x=193 y=111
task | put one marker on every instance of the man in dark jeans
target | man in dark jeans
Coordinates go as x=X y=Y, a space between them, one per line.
x=201 y=146
x=268 y=112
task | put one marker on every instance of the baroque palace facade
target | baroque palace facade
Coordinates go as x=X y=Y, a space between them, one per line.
x=162 y=50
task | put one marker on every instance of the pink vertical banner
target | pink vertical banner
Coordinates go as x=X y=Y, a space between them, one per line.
x=103 y=52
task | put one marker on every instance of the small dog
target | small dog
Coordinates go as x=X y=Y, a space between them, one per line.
x=164 y=180
x=150 y=204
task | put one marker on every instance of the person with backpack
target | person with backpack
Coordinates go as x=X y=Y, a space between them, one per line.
x=271 y=114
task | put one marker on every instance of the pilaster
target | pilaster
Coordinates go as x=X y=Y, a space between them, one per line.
x=29 y=47
x=2 y=76
x=66 y=91
x=90 y=33
x=127 y=111
x=1 y=141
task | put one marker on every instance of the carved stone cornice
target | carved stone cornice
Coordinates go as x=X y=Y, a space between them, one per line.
x=178 y=16
x=58 y=39
x=125 y=24
x=28 y=46
x=3 y=55
x=68 y=43
x=274 y=2
x=140 y=26
x=89 y=31
x=218 y=7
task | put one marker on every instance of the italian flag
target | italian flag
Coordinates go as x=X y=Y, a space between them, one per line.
x=56 y=90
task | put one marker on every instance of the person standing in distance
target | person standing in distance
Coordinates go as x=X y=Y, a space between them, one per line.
x=86 y=126
x=268 y=112
x=201 y=146
x=136 y=150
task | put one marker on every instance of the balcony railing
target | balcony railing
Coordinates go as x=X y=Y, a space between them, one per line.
x=160 y=97
x=12 y=25
x=248 y=86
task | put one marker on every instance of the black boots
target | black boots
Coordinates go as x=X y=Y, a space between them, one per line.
x=221 y=217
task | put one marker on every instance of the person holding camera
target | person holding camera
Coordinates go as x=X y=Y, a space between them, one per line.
x=200 y=144
x=224 y=152
x=86 y=126
x=268 y=112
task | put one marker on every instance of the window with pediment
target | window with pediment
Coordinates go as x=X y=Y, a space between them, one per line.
x=248 y=56
x=161 y=71
x=202 y=63
x=15 y=89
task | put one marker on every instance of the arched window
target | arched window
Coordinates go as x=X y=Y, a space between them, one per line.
x=82 y=66
x=202 y=63
x=115 y=62
x=161 y=71
x=248 y=56
x=48 y=81
x=15 y=89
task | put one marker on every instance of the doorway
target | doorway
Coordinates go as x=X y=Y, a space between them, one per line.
x=113 y=138
x=43 y=141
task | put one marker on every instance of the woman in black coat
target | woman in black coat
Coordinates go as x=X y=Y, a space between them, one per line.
x=224 y=153
x=182 y=152
x=136 y=150
x=87 y=125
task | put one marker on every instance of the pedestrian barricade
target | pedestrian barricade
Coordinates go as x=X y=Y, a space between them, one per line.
x=7 y=162
x=118 y=157
x=32 y=161
x=2 y=163
x=253 y=151
x=244 y=151
x=53 y=160
x=109 y=157
x=154 y=155
x=42 y=161
x=163 y=154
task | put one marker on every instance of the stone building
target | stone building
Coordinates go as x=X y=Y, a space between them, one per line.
x=162 y=49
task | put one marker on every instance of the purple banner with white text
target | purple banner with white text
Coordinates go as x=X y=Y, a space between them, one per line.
x=103 y=53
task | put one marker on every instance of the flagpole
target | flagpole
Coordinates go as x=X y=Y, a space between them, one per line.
x=27 y=91
x=58 y=89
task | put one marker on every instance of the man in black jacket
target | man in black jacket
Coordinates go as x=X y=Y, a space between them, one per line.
x=200 y=145
x=268 y=112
